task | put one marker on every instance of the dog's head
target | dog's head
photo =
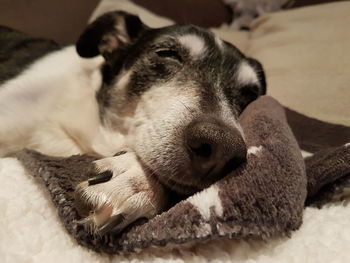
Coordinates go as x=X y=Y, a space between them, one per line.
x=176 y=92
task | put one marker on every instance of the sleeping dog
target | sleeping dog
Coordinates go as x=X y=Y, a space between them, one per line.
x=160 y=107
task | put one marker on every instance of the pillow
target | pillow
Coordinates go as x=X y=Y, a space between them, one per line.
x=305 y=53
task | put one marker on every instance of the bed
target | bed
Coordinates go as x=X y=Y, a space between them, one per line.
x=306 y=57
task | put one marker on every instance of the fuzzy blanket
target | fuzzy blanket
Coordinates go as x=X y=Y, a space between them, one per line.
x=263 y=198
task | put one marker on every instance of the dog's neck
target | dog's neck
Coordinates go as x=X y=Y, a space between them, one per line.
x=102 y=137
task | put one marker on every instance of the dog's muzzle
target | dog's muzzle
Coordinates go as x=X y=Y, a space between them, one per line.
x=214 y=148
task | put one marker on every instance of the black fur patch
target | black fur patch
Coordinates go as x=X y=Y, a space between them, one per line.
x=93 y=42
x=18 y=51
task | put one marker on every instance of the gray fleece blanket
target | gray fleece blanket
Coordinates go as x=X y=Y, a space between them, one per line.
x=263 y=198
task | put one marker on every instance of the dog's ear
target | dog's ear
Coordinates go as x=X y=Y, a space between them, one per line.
x=251 y=92
x=261 y=74
x=109 y=32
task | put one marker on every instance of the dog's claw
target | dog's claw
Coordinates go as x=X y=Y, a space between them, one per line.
x=111 y=224
x=120 y=153
x=101 y=178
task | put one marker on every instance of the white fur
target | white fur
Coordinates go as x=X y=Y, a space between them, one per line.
x=212 y=199
x=255 y=150
x=156 y=125
x=306 y=154
x=219 y=42
x=246 y=74
x=226 y=113
x=51 y=107
x=194 y=44
x=30 y=231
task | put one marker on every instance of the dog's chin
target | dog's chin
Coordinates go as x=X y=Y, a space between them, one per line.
x=180 y=183
x=177 y=177
x=179 y=187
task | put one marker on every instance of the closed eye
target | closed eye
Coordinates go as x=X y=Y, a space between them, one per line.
x=168 y=53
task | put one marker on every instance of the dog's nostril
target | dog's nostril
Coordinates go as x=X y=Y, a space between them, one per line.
x=214 y=148
x=202 y=150
x=244 y=28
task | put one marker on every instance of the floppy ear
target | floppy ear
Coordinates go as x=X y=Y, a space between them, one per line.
x=261 y=74
x=251 y=91
x=109 y=32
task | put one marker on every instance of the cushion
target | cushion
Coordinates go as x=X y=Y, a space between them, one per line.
x=306 y=58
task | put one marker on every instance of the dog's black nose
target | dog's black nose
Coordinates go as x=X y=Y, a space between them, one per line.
x=214 y=148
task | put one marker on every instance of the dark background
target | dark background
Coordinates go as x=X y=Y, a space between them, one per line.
x=64 y=20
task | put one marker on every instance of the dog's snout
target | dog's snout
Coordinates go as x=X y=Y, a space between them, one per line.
x=214 y=148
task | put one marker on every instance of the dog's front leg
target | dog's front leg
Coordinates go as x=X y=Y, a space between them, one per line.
x=120 y=190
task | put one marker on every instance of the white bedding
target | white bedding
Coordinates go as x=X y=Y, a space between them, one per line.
x=30 y=231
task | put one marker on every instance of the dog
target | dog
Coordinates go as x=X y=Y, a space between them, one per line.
x=159 y=106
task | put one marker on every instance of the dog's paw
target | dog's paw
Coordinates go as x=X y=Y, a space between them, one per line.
x=118 y=192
